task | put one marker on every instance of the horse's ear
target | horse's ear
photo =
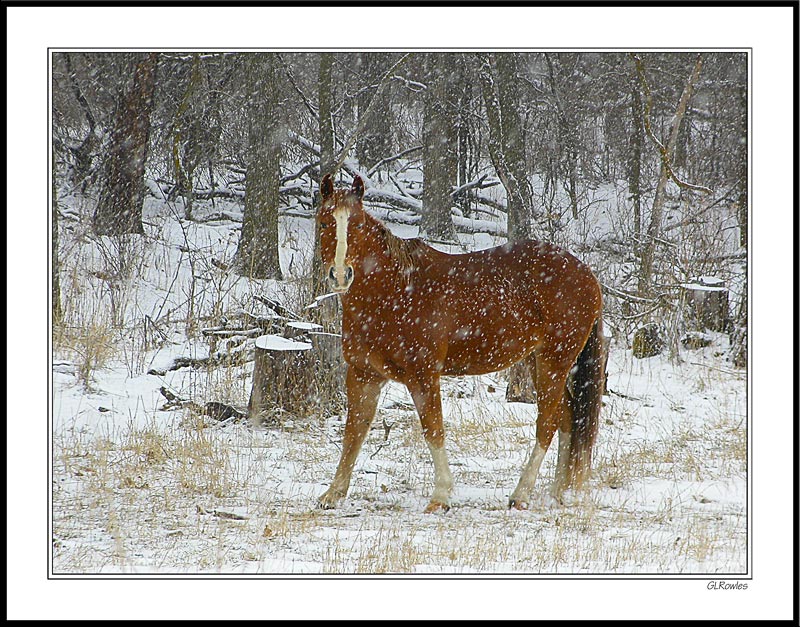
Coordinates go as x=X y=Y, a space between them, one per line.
x=358 y=187
x=326 y=186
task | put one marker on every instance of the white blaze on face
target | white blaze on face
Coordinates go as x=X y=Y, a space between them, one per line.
x=341 y=216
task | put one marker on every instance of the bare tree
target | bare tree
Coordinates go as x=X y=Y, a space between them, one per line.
x=635 y=161
x=56 y=310
x=257 y=255
x=498 y=78
x=326 y=164
x=119 y=209
x=375 y=141
x=439 y=146
x=667 y=153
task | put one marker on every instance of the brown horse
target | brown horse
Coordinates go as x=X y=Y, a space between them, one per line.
x=414 y=314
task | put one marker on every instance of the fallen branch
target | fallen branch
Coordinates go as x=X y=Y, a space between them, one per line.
x=237 y=357
x=278 y=308
x=400 y=155
x=362 y=118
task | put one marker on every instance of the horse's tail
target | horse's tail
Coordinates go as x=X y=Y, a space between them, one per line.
x=588 y=386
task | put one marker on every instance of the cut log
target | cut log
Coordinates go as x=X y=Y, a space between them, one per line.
x=300 y=329
x=707 y=303
x=331 y=370
x=648 y=341
x=695 y=340
x=282 y=378
x=521 y=384
x=738 y=346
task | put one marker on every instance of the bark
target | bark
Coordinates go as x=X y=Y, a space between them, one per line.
x=326 y=314
x=566 y=137
x=635 y=163
x=375 y=140
x=186 y=152
x=439 y=147
x=520 y=208
x=503 y=151
x=282 y=379
x=119 y=209
x=257 y=255
x=56 y=310
x=667 y=153
x=300 y=376
x=325 y=109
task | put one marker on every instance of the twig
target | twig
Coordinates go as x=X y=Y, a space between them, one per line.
x=644 y=313
x=733 y=372
x=628 y=297
x=400 y=155
x=625 y=396
x=277 y=307
x=363 y=118
x=663 y=150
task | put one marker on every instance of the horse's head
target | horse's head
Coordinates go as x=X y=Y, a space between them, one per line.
x=341 y=220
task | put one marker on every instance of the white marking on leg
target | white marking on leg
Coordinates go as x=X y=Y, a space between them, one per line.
x=523 y=490
x=443 y=480
x=341 y=216
x=561 y=479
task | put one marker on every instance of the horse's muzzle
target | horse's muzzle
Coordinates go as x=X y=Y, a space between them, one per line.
x=341 y=279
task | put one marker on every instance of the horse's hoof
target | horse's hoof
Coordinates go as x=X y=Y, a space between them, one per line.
x=517 y=504
x=435 y=507
x=328 y=501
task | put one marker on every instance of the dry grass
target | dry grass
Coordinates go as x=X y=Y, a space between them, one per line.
x=167 y=492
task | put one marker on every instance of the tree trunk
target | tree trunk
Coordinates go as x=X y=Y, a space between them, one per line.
x=54 y=268
x=518 y=202
x=467 y=162
x=299 y=376
x=374 y=143
x=520 y=207
x=507 y=150
x=119 y=209
x=635 y=163
x=327 y=313
x=185 y=138
x=707 y=304
x=257 y=255
x=439 y=147
x=566 y=138
x=667 y=154
x=325 y=96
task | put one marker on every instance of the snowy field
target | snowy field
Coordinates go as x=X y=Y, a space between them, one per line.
x=138 y=489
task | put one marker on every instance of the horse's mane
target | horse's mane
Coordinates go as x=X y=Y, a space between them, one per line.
x=402 y=251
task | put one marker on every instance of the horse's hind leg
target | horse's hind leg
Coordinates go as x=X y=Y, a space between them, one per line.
x=363 y=391
x=563 y=471
x=552 y=412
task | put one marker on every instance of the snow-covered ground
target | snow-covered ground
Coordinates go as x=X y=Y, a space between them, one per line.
x=137 y=489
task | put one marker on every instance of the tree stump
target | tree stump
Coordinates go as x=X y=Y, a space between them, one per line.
x=331 y=369
x=738 y=346
x=521 y=383
x=648 y=341
x=282 y=378
x=300 y=329
x=707 y=303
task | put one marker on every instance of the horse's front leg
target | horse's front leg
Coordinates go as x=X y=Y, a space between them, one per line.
x=363 y=390
x=427 y=399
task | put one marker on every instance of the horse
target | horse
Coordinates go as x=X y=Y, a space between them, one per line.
x=413 y=314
